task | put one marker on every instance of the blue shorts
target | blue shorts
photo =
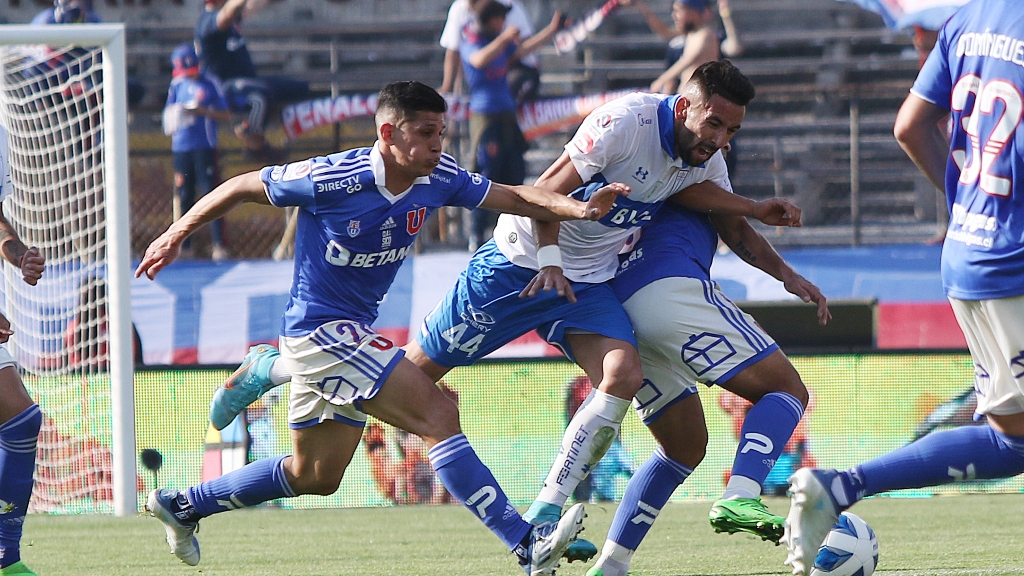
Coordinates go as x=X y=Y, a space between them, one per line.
x=483 y=312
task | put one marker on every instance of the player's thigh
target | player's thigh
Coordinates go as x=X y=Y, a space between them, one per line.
x=773 y=373
x=14 y=399
x=613 y=365
x=994 y=330
x=689 y=331
x=410 y=400
x=334 y=369
x=681 y=431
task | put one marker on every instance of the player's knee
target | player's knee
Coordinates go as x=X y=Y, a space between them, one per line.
x=440 y=422
x=794 y=386
x=624 y=379
x=690 y=453
x=320 y=481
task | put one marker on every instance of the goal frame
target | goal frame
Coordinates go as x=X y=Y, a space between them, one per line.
x=111 y=37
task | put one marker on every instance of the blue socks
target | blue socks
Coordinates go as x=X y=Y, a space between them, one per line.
x=252 y=484
x=766 y=430
x=472 y=484
x=965 y=453
x=646 y=493
x=18 y=437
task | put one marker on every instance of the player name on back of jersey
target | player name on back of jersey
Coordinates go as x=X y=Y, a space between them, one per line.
x=992 y=45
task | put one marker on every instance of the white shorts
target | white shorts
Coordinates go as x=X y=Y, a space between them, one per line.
x=689 y=332
x=334 y=368
x=995 y=335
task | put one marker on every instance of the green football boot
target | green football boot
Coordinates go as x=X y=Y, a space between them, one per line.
x=581 y=550
x=746 y=515
x=17 y=569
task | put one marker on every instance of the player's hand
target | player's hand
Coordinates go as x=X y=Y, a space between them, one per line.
x=5 y=329
x=510 y=34
x=778 y=212
x=601 y=202
x=32 y=266
x=805 y=290
x=549 y=278
x=159 y=254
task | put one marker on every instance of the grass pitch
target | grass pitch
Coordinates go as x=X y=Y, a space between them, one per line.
x=962 y=535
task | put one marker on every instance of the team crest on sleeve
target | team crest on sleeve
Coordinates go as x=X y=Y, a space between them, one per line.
x=297 y=170
x=477 y=179
x=584 y=142
x=275 y=173
x=353 y=228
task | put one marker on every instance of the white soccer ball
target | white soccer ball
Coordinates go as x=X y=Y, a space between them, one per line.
x=849 y=549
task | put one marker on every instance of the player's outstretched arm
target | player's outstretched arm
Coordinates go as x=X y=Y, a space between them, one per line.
x=917 y=131
x=755 y=250
x=29 y=260
x=542 y=204
x=165 y=249
x=711 y=198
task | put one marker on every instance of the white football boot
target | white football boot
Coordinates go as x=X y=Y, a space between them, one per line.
x=180 y=535
x=812 y=512
x=549 y=540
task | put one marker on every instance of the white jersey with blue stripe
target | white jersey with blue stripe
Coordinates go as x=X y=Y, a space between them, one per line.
x=977 y=72
x=353 y=233
x=629 y=140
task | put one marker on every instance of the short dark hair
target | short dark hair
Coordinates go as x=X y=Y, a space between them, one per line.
x=489 y=10
x=408 y=97
x=722 y=78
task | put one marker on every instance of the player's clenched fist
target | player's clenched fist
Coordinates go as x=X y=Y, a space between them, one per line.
x=601 y=202
x=32 y=265
x=159 y=254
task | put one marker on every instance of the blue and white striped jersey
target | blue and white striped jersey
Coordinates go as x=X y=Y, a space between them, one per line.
x=6 y=186
x=977 y=72
x=353 y=234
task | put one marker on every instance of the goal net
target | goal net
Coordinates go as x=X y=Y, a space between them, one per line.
x=62 y=101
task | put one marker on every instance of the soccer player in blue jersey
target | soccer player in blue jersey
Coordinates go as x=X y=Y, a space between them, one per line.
x=359 y=214
x=976 y=74
x=20 y=416
x=688 y=332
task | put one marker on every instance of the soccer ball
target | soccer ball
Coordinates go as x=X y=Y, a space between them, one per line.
x=849 y=549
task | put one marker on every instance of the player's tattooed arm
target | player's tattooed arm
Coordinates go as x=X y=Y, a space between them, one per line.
x=754 y=249
x=242 y=188
x=29 y=260
x=711 y=198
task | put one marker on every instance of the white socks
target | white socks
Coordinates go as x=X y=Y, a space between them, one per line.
x=741 y=486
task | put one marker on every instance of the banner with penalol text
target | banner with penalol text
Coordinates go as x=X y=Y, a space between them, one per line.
x=536 y=118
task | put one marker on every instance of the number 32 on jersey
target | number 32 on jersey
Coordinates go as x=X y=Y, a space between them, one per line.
x=985 y=155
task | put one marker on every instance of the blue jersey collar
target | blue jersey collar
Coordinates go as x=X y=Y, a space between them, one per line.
x=667 y=124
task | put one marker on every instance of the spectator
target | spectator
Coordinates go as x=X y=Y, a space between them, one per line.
x=523 y=76
x=692 y=42
x=498 y=144
x=194 y=106
x=225 y=58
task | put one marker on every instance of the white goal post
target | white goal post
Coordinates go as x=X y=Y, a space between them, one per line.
x=86 y=242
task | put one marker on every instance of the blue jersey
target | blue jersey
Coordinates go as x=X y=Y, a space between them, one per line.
x=676 y=242
x=488 y=86
x=353 y=234
x=197 y=132
x=223 y=53
x=977 y=72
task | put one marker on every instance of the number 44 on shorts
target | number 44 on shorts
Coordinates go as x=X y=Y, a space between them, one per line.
x=454 y=337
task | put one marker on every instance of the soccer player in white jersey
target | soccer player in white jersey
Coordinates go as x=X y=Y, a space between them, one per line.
x=20 y=416
x=976 y=73
x=359 y=214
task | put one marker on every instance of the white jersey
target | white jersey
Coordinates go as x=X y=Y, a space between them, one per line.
x=460 y=14
x=6 y=185
x=629 y=140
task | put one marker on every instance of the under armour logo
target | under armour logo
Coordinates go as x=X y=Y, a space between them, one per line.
x=641 y=174
x=963 y=475
x=646 y=515
x=1018 y=365
x=757 y=443
x=480 y=500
